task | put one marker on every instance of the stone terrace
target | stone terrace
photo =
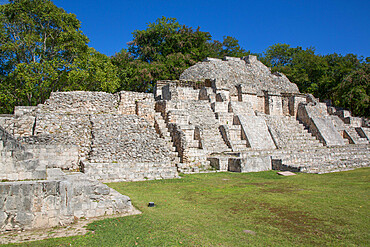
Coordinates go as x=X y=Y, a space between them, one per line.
x=225 y=115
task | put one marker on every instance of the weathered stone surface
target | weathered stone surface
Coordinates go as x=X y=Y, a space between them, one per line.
x=250 y=164
x=315 y=117
x=48 y=203
x=256 y=132
x=79 y=102
x=126 y=138
x=286 y=173
x=235 y=71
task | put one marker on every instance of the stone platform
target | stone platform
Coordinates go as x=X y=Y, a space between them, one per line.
x=222 y=115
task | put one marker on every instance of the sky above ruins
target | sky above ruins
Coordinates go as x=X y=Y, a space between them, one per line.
x=330 y=26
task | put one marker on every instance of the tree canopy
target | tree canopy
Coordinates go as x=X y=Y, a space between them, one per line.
x=41 y=50
x=164 y=50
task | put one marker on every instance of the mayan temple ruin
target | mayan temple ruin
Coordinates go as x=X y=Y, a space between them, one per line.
x=221 y=115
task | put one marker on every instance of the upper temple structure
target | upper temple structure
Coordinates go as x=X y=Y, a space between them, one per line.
x=221 y=115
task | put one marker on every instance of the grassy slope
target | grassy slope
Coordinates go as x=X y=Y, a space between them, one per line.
x=215 y=209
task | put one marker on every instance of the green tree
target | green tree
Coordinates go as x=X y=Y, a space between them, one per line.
x=278 y=55
x=354 y=90
x=162 y=51
x=134 y=74
x=166 y=36
x=302 y=67
x=92 y=71
x=40 y=44
x=229 y=47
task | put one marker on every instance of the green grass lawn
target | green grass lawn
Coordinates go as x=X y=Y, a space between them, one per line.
x=216 y=210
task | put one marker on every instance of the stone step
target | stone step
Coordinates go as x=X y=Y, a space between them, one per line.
x=195 y=167
x=314 y=159
x=326 y=167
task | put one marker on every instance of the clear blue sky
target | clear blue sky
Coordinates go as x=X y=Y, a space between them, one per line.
x=340 y=26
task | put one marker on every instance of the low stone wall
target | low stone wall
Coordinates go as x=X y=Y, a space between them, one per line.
x=116 y=172
x=250 y=164
x=42 y=204
x=22 y=110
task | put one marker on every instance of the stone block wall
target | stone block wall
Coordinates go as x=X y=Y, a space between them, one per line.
x=127 y=101
x=48 y=203
x=18 y=126
x=64 y=157
x=258 y=103
x=15 y=162
x=182 y=90
x=250 y=164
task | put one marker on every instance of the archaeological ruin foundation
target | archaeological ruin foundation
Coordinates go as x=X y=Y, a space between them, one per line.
x=221 y=115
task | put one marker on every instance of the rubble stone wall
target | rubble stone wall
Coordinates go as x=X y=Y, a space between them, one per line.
x=79 y=102
x=232 y=72
x=68 y=129
x=126 y=138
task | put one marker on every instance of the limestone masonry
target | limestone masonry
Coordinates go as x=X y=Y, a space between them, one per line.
x=225 y=115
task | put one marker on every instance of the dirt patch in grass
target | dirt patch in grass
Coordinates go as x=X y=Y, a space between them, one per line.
x=296 y=222
x=281 y=190
x=259 y=184
x=77 y=228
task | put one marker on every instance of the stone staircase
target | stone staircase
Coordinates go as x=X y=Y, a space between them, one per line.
x=323 y=160
x=355 y=138
x=237 y=140
x=202 y=115
x=288 y=133
x=225 y=113
x=162 y=130
x=196 y=120
x=348 y=132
